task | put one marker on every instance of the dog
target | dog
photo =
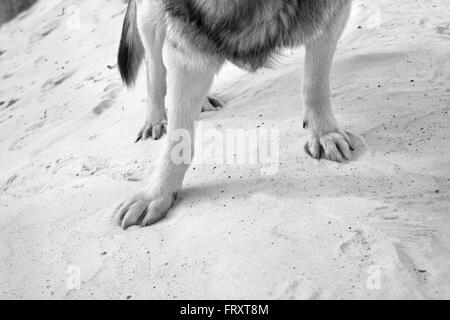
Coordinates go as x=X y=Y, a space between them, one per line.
x=184 y=43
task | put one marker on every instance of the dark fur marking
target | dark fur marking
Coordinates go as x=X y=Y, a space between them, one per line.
x=250 y=32
x=131 y=49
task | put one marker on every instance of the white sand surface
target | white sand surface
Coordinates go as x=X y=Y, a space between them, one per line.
x=377 y=227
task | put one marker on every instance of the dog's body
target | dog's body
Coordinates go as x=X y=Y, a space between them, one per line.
x=185 y=42
x=249 y=32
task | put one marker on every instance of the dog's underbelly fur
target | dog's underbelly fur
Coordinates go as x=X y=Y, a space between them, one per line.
x=249 y=32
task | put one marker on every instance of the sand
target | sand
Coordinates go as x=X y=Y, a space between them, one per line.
x=374 y=228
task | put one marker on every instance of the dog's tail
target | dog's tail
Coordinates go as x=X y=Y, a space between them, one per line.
x=131 y=50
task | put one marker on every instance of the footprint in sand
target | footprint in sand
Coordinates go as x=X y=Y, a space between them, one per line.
x=54 y=82
x=408 y=262
x=92 y=166
x=36 y=126
x=443 y=29
x=48 y=29
x=9 y=182
x=301 y=289
x=355 y=246
x=112 y=91
x=10 y=103
x=103 y=106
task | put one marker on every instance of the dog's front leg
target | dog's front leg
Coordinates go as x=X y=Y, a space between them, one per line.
x=326 y=139
x=189 y=77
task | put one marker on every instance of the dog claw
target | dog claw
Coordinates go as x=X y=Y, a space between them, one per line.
x=154 y=131
x=334 y=146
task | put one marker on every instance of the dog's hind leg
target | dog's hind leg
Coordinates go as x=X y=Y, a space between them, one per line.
x=189 y=77
x=326 y=140
x=152 y=32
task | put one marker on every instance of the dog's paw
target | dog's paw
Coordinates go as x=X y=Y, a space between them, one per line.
x=154 y=130
x=212 y=104
x=143 y=209
x=334 y=146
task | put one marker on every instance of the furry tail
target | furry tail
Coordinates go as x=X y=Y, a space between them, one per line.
x=131 y=50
